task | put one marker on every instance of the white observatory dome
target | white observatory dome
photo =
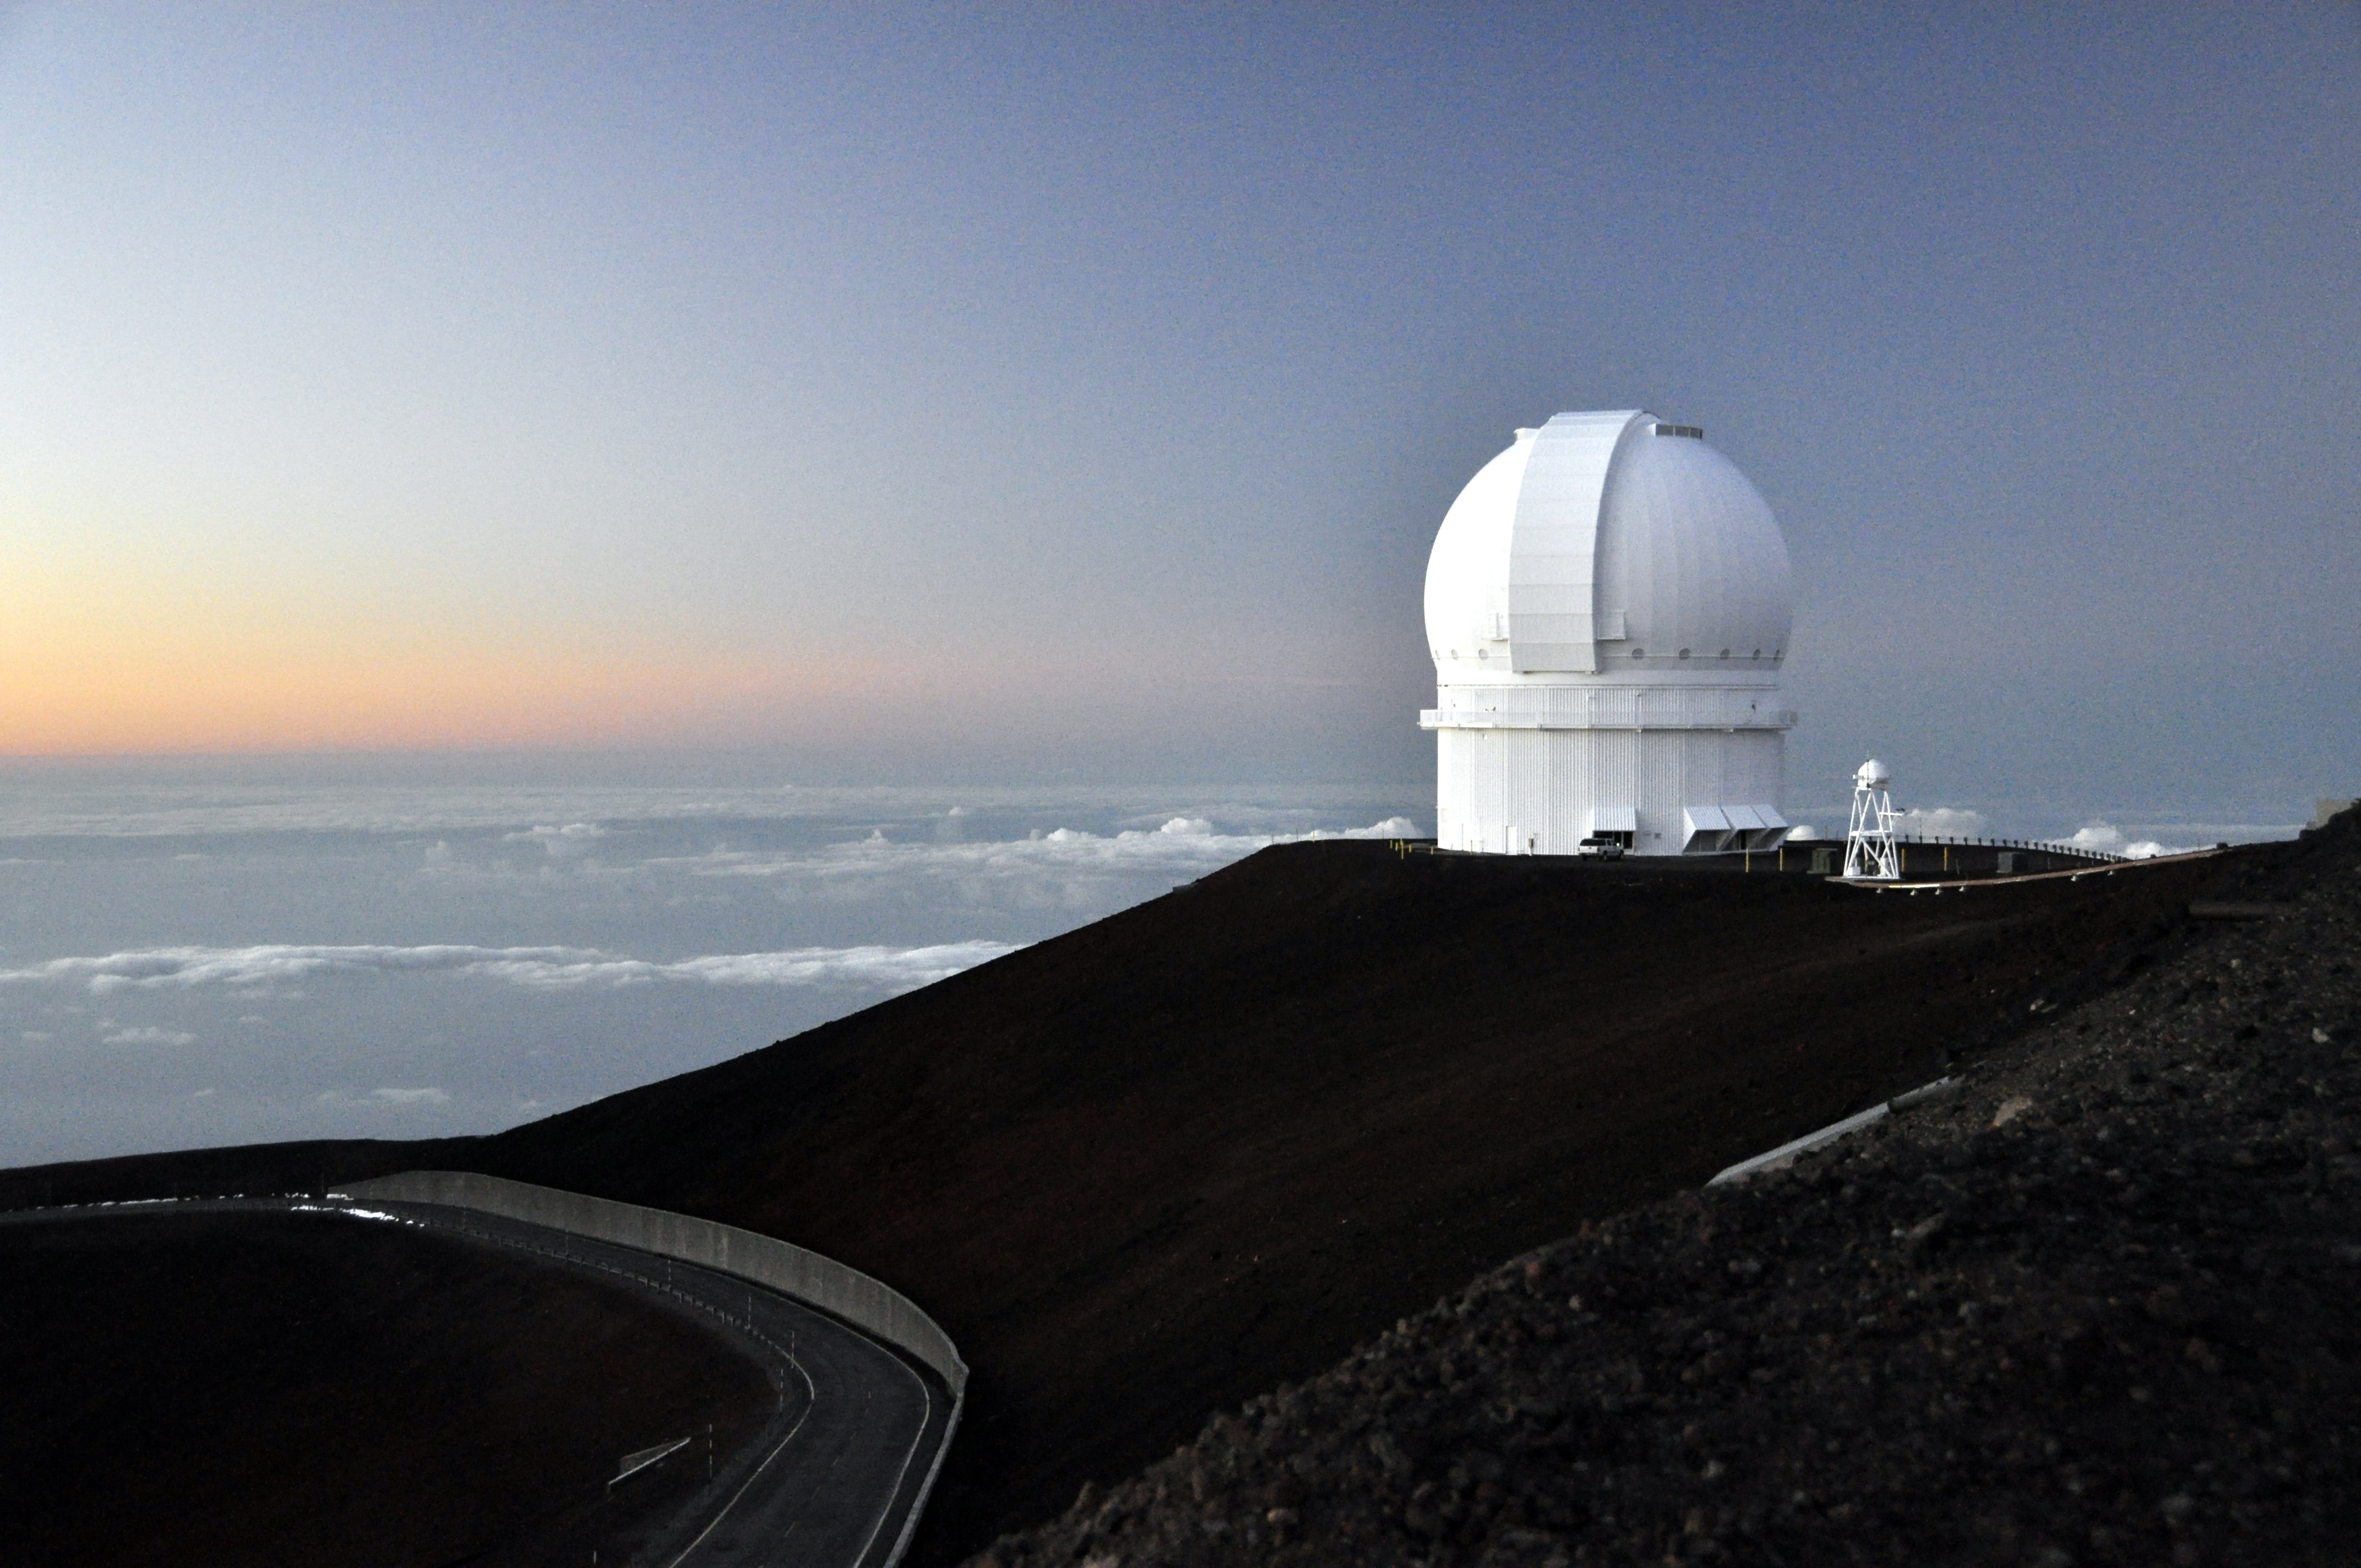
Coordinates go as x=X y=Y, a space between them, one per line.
x=1601 y=543
x=1608 y=606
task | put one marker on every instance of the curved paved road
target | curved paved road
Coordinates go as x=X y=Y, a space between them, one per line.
x=830 y=1481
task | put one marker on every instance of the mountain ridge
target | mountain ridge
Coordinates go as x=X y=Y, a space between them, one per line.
x=1179 y=1155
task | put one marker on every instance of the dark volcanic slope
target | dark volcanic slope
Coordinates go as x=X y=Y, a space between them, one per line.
x=2097 y=1307
x=1151 y=1167
x=1185 y=1153
x=233 y=1389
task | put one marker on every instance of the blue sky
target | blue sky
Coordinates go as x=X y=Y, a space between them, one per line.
x=1074 y=392
x=545 y=546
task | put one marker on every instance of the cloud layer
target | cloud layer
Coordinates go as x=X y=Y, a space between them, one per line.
x=2107 y=838
x=293 y=960
x=112 y=806
x=142 y=1035
x=546 y=969
x=1067 y=862
x=1944 y=822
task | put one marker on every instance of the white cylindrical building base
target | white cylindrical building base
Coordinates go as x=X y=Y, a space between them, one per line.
x=1543 y=791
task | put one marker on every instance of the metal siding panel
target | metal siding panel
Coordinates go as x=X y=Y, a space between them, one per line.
x=1530 y=749
x=1660 y=791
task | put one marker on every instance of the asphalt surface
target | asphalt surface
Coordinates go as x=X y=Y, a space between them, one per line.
x=830 y=1481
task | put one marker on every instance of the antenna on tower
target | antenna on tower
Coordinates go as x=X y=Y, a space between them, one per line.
x=1868 y=848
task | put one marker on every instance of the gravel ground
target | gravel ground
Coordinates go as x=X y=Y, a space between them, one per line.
x=2098 y=1304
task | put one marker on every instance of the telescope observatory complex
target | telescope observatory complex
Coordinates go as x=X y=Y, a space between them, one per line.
x=1607 y=604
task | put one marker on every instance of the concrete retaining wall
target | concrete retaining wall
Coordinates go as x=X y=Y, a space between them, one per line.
x=823 y=1282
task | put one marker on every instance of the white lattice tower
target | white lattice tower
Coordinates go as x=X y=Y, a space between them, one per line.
x=1868 y=847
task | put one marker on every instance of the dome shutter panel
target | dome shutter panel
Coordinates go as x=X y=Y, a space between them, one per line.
x=1554 y=545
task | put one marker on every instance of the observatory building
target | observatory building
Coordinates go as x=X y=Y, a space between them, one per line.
x=1609 y=604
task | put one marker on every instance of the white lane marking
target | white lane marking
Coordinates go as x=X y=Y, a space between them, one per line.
x=811 y=1404
x=811 y=1389
x=926 y=1419
x=924 y=1394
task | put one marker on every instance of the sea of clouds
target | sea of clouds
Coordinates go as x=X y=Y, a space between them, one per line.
x=188 y=964
x=198 y=962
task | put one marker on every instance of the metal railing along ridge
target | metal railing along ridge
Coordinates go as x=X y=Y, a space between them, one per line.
x=2046 y=846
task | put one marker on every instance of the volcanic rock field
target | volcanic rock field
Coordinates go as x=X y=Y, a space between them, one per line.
x=1222 y=1155
x=2099 y=1305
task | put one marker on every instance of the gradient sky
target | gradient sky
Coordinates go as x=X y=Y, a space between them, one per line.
x=1063 y=392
